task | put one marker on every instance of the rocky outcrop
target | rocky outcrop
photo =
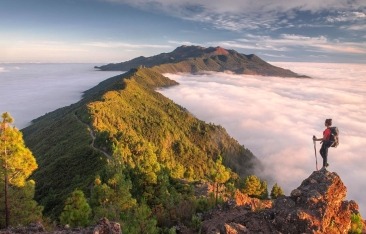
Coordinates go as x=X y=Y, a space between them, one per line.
x=106 y=227
x=253 y=204
x=318 y=205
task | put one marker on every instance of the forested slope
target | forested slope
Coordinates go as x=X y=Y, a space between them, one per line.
x=147 y=134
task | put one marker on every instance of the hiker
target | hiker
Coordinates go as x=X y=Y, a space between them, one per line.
x=325 y=141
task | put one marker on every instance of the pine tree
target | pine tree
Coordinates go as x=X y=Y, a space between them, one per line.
x=219 y=175
x=112 y=198
x=140 y=220
x=276 y=191
x=23 y=208
x=16 y=160
x=77 y=211
x=254 y=187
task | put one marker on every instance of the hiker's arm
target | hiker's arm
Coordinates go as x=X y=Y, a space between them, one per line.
x=317 y=139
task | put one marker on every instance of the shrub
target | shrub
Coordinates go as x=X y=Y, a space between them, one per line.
x=276 y=191
x=356 y=224
x=77 y=211
x=254 y=187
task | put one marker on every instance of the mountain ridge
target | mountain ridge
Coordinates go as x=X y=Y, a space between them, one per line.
x=128 y=119
x=196 y=59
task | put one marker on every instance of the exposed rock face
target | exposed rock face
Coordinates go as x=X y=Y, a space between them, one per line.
x=106 y=227
x=316 y=206
x=252 y=204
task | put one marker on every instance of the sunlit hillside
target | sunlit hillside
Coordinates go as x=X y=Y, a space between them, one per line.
x=132 y=124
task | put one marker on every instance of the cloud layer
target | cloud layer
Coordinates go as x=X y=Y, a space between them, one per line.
x=276 y=118
x=247 y=14
x=28 y=91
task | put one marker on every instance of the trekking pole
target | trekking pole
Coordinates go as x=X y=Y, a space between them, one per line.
x=316 y=158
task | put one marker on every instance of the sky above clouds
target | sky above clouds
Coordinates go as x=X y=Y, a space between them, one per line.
x=119 y=30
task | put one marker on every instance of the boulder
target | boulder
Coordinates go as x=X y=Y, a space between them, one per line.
x=104 y=226
x=318 y=205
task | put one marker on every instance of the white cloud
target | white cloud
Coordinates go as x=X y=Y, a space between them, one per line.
x=275 y=55
x=276 y=118
x=347 y=17
x=355 y=27
x=113 y=44
x=30 y=90
x=288 y=42
x=2 y=69
x=247 y=14
x=179 y=43
x=244 y=6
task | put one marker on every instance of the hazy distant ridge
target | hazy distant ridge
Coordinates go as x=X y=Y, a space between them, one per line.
x=196 y=59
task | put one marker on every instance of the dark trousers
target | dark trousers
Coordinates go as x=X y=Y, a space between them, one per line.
x=324 y=152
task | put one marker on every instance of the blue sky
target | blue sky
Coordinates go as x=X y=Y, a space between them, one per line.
x=101 y=31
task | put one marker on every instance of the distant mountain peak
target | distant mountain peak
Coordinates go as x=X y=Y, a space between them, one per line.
x=194 y=50
x=222 y=51
x=195 y=59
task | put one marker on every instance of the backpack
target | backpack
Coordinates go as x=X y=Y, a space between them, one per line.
x=334 y=136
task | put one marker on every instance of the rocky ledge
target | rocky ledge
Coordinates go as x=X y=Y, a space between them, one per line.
x=318 y=205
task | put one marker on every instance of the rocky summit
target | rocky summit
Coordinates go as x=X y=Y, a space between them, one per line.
x=318 y=205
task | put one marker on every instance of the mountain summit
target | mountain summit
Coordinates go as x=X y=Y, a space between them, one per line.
x=196 y=59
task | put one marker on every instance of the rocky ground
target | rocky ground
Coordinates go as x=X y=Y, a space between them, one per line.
x=104 y=226
x=318 y=205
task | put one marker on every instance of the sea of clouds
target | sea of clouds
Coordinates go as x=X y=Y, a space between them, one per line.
x=276 y=118
x=30 y=90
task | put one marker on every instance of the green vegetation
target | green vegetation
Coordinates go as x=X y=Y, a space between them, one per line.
x=23 y=209
x=61 y=144
x=16 y=165
x=356 y=224
x=111 y=195
x=276 y=191
x=140 y=220
x=77 y=211
x=135 y=154
x=255 y=187
x=219 y=175
x=144 y=130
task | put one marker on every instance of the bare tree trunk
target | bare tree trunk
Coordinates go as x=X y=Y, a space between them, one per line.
x=7 y=213
x=217 y=193
x=6 y=181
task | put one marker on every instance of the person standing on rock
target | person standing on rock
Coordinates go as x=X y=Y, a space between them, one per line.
x=325 y=141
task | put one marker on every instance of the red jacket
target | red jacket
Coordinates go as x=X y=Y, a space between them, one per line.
x=326 y=134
